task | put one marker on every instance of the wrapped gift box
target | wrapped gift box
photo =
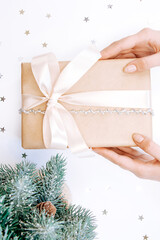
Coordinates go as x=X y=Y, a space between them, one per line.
x=97 y=129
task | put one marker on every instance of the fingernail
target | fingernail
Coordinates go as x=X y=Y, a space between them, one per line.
x=130 y=68
x=138 y=138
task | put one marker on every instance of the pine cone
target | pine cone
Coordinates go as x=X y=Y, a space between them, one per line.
x=50 y=209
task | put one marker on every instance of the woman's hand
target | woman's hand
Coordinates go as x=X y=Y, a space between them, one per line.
x=144 y=45
x=142 y=165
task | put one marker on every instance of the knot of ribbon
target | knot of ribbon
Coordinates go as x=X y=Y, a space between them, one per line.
x=53 y=100
x=59 y=127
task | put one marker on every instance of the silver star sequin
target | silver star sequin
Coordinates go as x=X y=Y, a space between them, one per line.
x=140 y=217
x=2 y=99
x=48 y=15
x=2 y=129
x=44 y=44
x=27 y=32
x=110 y=6
x=104 y=212
x=145 y=237
x=21 y=12
x=86 y=19
x=24 y=155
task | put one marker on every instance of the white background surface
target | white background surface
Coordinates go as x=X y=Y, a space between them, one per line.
x=95 y=183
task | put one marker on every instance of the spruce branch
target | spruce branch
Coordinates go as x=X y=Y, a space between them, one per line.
x=21 y=189
x=6 y=222
x=79 y=224
x=20 y=192
x=41 y=227
x=6 y=235
x=51 y=179
x=6 y=174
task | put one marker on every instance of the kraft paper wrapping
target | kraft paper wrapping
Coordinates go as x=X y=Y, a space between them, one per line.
x=98 y=130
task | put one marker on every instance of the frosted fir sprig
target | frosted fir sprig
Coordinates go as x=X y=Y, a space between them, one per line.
x=26 y=192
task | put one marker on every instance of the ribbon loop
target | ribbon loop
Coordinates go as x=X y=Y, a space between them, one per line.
x=59 y=127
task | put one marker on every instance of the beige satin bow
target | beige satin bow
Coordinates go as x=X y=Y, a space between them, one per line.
x=59 y=127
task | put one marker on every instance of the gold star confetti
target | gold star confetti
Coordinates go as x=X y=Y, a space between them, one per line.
x=2 y=99
x=48 y=15
x=44 y=44
x=140 y=218
x=86 y=19
x=104 y=212
x=21 y=12
x=110 y=6
x=145 y=237
x=24 y=155
x=2 y=129
x=27 y=32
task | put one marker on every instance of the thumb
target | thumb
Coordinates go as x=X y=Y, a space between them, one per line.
x=142 y=64
x=147 y=145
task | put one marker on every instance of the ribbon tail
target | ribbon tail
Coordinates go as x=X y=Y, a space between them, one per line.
x=54 y=134
x=75 y=139
x=110 y=98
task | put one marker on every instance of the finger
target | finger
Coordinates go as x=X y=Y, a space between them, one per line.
x=136 y=52
x=136 y=154
x=126 y=55
x=121 y=152
x=147 y=145
x=137 y=167
x=142 y=64
x=130 y=150
x=122 y=161
x=117 y=47
x=151 y=170
x=127 y=43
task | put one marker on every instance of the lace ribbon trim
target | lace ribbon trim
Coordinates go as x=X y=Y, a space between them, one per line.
x=98 y=111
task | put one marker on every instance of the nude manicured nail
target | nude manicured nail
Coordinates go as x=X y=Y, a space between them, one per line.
x=138 y=138
x=130 y=68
